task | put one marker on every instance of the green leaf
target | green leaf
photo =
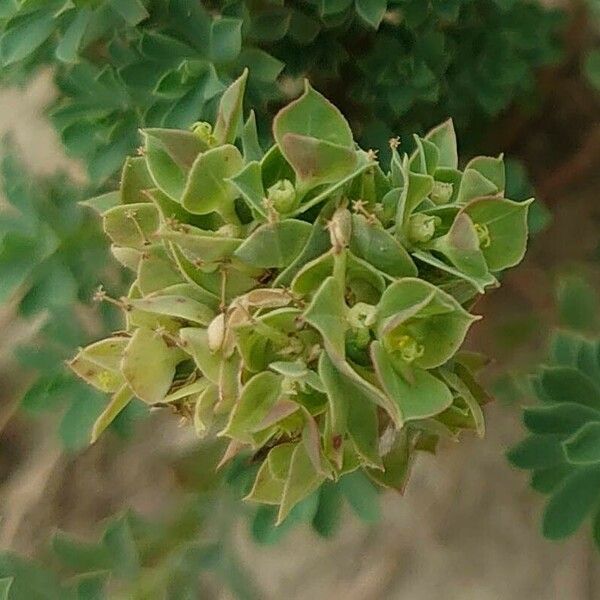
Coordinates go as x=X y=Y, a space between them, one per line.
x=225 y=40
x=363 y=429
x=30 y=580
x=250 y=144
x=267 y=489
x=149 y=365
x=103 y=202
x=565 y=418
x=474 y=185
x=327 y=314
x=135 y=180
x=418 y=396
x=120 y=543
x=202 y=247
x=332 y=7
x=181 y=307
x=566 y=384
x=396 y=462
x=275 y=245
x=25 y=34
x=207 y=189
x=302 y=480
x=131 y=225
x=461 y=247
x=69 y=46
x=444 y=138
x=415 y=188
x=492 y=169
x=538 y=452
x=547 y=480
x=380 y=249
x=258 y=397
x=361 y=495
x=230 y=111
x=91 y=586
x=583 y=447
x=315 y=161
x=80 y=557
x=8 y=8
x=329 y=512
x=433 y=319
x=571 y=503
x=425 y=158
x=167 y=174
x=76 y=425
x=196 y=342
x=315 y=139
x=118 y=402
x=248 y=182
x=371 y=11
x=506 y=222
x=5 y=585
x=99 y=364
x=133 y=11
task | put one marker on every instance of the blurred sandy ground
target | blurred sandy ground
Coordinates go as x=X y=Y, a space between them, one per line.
x=467 y=528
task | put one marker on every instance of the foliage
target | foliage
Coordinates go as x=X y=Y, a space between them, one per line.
x=136 y=558
x=51 y=253
x=184 y=555
x=404 y=64
x=562 y=450
x=301 y=302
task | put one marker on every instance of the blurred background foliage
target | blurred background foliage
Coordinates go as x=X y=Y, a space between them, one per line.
x=406 y=64
x=514 y=74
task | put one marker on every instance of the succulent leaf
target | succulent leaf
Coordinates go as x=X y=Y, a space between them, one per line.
x=289 y=301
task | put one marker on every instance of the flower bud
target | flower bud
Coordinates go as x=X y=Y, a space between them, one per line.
x=340 y=229
x=441 y=192
x=282 y=196
x=216 y=333
x=421 y=227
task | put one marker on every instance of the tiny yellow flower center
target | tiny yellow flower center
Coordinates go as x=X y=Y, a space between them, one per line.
x=483 y=234
x=204 y=131
x=408 y=347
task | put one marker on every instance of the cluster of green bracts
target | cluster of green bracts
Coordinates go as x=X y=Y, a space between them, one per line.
x=302 y=302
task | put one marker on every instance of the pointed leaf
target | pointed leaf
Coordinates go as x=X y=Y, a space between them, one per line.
x=149 y=365
x=506 y=222
x=380 y=249
x=118 y=402
x=583 y=447
x=424 y=396
x=258 y=397
x=275 y=245
x=208 y=188
x=444 y=137
x=301 y=481
x=327 y=314
x=571 y=503
x=230 y=111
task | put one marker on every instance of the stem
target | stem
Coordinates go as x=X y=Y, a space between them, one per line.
x=339 y=267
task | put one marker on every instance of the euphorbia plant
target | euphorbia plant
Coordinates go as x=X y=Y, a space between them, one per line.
x=302 y=302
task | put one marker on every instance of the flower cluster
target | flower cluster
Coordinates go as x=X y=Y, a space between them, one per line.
x=302 y=302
